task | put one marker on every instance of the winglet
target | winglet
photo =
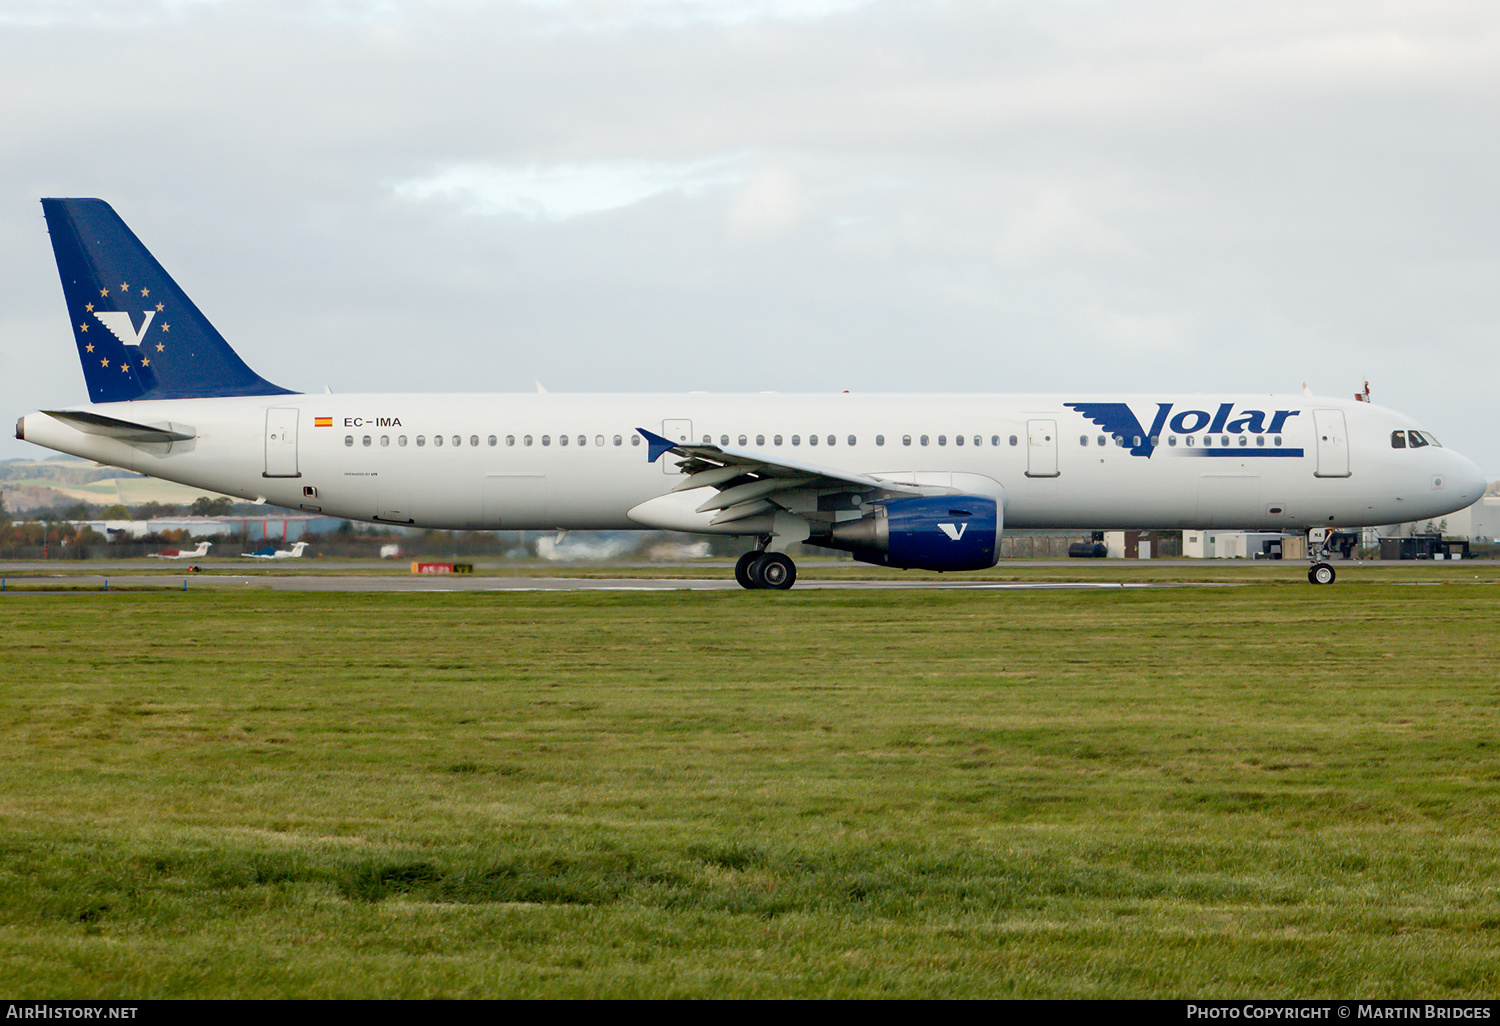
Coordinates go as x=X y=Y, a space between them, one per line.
x=656 y=445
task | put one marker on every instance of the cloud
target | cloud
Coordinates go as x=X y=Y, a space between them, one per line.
x=770 y=206
x=562 y=191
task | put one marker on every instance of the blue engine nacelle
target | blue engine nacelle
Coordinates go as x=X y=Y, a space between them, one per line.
x=943 y=532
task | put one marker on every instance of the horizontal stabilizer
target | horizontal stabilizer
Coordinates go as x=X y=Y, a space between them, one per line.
x=113 y=427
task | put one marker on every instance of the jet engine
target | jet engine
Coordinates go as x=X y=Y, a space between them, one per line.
x=943 y=532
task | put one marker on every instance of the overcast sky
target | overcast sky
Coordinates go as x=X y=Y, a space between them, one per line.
x=1076 y=196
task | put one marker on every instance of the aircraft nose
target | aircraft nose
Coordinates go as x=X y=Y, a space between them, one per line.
x=1471 y=480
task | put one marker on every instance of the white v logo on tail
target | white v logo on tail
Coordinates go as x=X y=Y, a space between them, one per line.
x=954 y=531
x=118 y=322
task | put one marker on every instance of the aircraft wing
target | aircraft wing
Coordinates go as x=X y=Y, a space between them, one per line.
x=750 y=483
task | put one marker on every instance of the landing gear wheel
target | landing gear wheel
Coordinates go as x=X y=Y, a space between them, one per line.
x=743 y=570
x=775 y=570
x=1321 y=573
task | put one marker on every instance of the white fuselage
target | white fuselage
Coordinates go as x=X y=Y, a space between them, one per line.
x=553 y=461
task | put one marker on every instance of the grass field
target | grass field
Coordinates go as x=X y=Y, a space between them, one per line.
x=1268 y=790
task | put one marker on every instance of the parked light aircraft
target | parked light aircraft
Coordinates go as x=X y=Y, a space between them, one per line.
x=201 y=550
x=912 y=481
x=272 y=552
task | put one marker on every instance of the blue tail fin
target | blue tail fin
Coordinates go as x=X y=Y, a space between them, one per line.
x=139 y=336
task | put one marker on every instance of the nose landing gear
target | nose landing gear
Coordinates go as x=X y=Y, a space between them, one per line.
x=1322 y=572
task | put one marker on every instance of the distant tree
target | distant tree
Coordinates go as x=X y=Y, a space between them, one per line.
x=115 y=512
x=153 y=509
x=78 y=511
x=203 y=506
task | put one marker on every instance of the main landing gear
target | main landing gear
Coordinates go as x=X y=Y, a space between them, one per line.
x=761 y=569
x=1320 y=573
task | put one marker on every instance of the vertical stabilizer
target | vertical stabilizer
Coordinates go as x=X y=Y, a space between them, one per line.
x=138 y=334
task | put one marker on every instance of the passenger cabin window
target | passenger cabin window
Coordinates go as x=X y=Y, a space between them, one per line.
x=385 y=441
x=494 y=441
x=811 y=440
x=561 y=440
x=634 y=440
x=618 y=440
x=796 y=439
x=760 y=439
x=906 y=439
x=744 y=440
x=923 y=439
x=776 y=440
x=546 y=439
x=459 y=441
x=437 y=439
x=1014 y=440
x=401 y=441
x=527 y=440
x=349 y=440
x=851 y=439
x=599 y=440
x=367 y=441
x=421 y=441
x=879 y=439
x=510 y=439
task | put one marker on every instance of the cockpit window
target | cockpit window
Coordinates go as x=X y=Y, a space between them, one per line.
x=1417 y=439
x=1398 y=439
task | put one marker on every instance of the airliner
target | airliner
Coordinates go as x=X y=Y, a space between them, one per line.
x=909 y=481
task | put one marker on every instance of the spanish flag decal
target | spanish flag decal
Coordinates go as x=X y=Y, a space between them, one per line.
x=322 y=422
